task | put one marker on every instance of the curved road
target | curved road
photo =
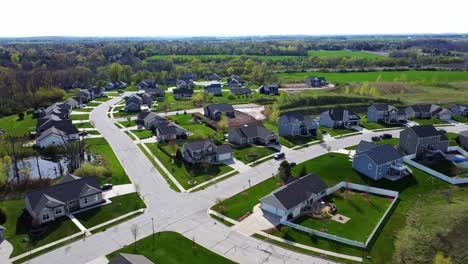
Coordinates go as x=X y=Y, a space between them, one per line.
x=186 y=213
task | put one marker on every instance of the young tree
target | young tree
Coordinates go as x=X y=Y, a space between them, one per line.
x=284 y=170
x=21 y=116
x=223 y=122
x=14 y=147
x=135 y=229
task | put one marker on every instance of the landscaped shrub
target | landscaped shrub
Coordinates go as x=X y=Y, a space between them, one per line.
x=88 y=169
x=3 y=217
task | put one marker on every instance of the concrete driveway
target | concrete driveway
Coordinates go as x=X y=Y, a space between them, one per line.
x=257 y=221
x=120 y=190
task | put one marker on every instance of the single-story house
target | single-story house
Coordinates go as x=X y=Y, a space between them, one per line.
x=189 y=76
x=316 y=81
x=379 y=161
x=296 y=124
x=213 y=77
x=169 y=131
x=385 y=113
x=147 y=84
x=123 y=258
x=423 y=140
x=339 y=118
x=241 y=91
x=463 y=139
x=289 y=201
x=459 y=109
x=214 y=88
x=270 y=89
x=133 y=103
x=182 y=93
x=206 y=151
x=215 y=111
x=115 y=85
x=55 y=136
x=252 y=134
x=96 y=92
x=72 y=193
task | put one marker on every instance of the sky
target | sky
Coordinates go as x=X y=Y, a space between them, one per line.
x=155 y=18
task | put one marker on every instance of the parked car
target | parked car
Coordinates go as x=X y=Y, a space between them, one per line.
x=292 y=164
x=280 y=156
x=83 y=133
x=376 y=138
x=386 y=136
x=106 y=186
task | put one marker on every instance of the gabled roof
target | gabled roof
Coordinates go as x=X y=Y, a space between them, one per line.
x=252 y=131
x=338 y=114
x=239 y=91
x=294 y=116
x=221 y=107
x=426 y=131
x=213 y=86
x=297 y=191
x=199 y=144
x=384 y=107
x=365 y=145
x=167 y=130
x=224 y=148
x=51 y=131
x=183 y=91
x=123 y=258
x=425 y=108
x=380 y=154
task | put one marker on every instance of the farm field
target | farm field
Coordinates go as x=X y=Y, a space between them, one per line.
x=344 y=53
x=219 y=57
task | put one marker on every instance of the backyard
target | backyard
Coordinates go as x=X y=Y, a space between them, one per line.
x=11 y=125
x=445 y=167
x=196 y=130
x=337 y=131
x=288 y=142
x=250 y=153
x=171 y=248
x=142 y=133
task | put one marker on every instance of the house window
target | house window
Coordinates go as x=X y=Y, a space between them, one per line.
x=369 y=166
x=58 y=210
x=45 y=217
x=86 y=200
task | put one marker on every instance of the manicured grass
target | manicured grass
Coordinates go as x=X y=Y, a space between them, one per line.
x=125 y=114
x=391 y=141
x=118 y=108
x=102 y=99
x=84 y=125
x=171 y=248
x=431 y=121
x=93 y=132
x=17 y=233
x=344 y=53
x=373 y=125
x=288 y=142
x=142 y=133
x=461 y=119
x=251 y=153
x=112 y=94
x=11 y=125
x=240 y=204
x=383 y=76
x=127 y=123
x=364 y=210
x=120 y=205
x=101 y=147
x=445 y=167
x=198 y=130
x=83 y=110
x=93 y=103
x=452 y=138
x=337 y=131
x=79 y=117
x=185 y=175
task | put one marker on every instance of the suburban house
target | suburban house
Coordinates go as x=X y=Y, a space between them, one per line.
x=241 y=91
x=84 y=96
x=379 y=161
x=427 y=111
x=463 y=139
x=181 y=84
x=134 y=102
x=269 y=89
x=72 y=193
x=115 y=85
x=150 y=119
x=316 y=81
x=170 y=81
x=235 y=81
x=385 y=113
x=182 y=93
x=65 y=125
x=296 y=124
x=147 y=84
x=155 y=92
x=206 y=151
x=252 y=134
x=55 y=136
x=163 y=128
x=72 y=102
x=339 y=118
x=423 y=140
x=459 y=109
x=216 y=111
x=96 y=92
x=213 y=77
x=189 y=76
x=123 y=258
x=214 y=88
x=289 y=201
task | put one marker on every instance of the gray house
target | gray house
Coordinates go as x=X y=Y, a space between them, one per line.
x=385 y=113
x=252 y=134
x=84 y=96
x=133 y=103
x=241 y=91
x=147 y=84
x=379 y=161
x=213 y=77
x=72 y=193
x=115 y=85
x=459 y=109
x=96 y=92
x=235 y=81
x=339 y=118
x=72 y=102
x=182 y=93
x=463 y=139
x=215 y=111
x=296 y=124
x=427 y=111
x=316 y=81
x=206 y=151
x=150 y=120
x=214 y=88
x=123 y=258
x=269 y=89
x=423 y=141
x=289 y=201
x=189 y=76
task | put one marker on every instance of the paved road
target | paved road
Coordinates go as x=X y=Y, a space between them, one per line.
x=184 y=212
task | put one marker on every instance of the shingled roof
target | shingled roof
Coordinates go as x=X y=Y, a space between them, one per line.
x=380 y=154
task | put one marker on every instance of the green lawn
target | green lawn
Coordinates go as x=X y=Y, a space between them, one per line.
x=383 y=76
x=101 y=147
x=185 y=175
x=373 y=125
x=17 y=232
x=250 y=153
x=13 y=126
x=171 y=248
x=337 y=131
x=79 y=117
x=120 y=205
x=364 y=211
x=452 y=138
x=83 y=110
x=446 y=167
x=118 y=108
x=142 y=133
x=344 y=53
x=391 y=141
x=288 y=142
x=461 y=119
x=84 y=125
x=127 y=123
x=93 y=132
x=198 y=130
x=93 y=103
x=431 y=121
x=125 y=114
x=102 y=99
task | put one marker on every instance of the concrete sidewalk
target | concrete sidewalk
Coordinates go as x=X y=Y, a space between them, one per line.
x=78 y=224
x=5 y=251
x=119 y=190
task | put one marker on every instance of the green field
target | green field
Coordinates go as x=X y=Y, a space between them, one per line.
x=127 y=123
x=382 y=76
x=171 y=248
x=219 y=57
x=288 y=142
x=11 y=125
x=344 y=53
x=84 y=125
x=250 y=153
x=101 y=147
x=79 y=117
x=142 y=133
x=198 y=130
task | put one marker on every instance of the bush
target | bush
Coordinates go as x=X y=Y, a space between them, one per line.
x=88 y=169
x=231 y=97
x=3 y=217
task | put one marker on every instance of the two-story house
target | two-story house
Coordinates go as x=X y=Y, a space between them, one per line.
x=214 y=89
x=252 y=134
x=269 y=89
x=241 y=91
x=182 y=93
x=339 y=118
x=213 y=77
x=423 y=141
x=385 y=113
x=206 y=151
x=459 y=109
x=427 y=111
x=216 y=111
x=296 y=124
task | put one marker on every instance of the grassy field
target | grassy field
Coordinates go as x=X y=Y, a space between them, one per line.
x=84 y=125
x=431 y=121
x=185 y=175
x=364 y=211
x=142 y=133
x=17 y=233
x=11 y=125
x=461 y=119
x=199 y=131
x=171 y=248
x=127 y=123
x=288 y=142
x=79 y=117
x=382 y=76
x=251 y=153
x=336 y=131
x=219 y=57
x=101 y=147
x=344 y=53
x=120 y=205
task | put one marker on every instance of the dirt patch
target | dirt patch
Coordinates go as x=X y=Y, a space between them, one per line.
x=298 y=87
x=239 y=120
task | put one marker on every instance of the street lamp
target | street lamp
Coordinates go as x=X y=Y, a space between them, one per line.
x=152 y=224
